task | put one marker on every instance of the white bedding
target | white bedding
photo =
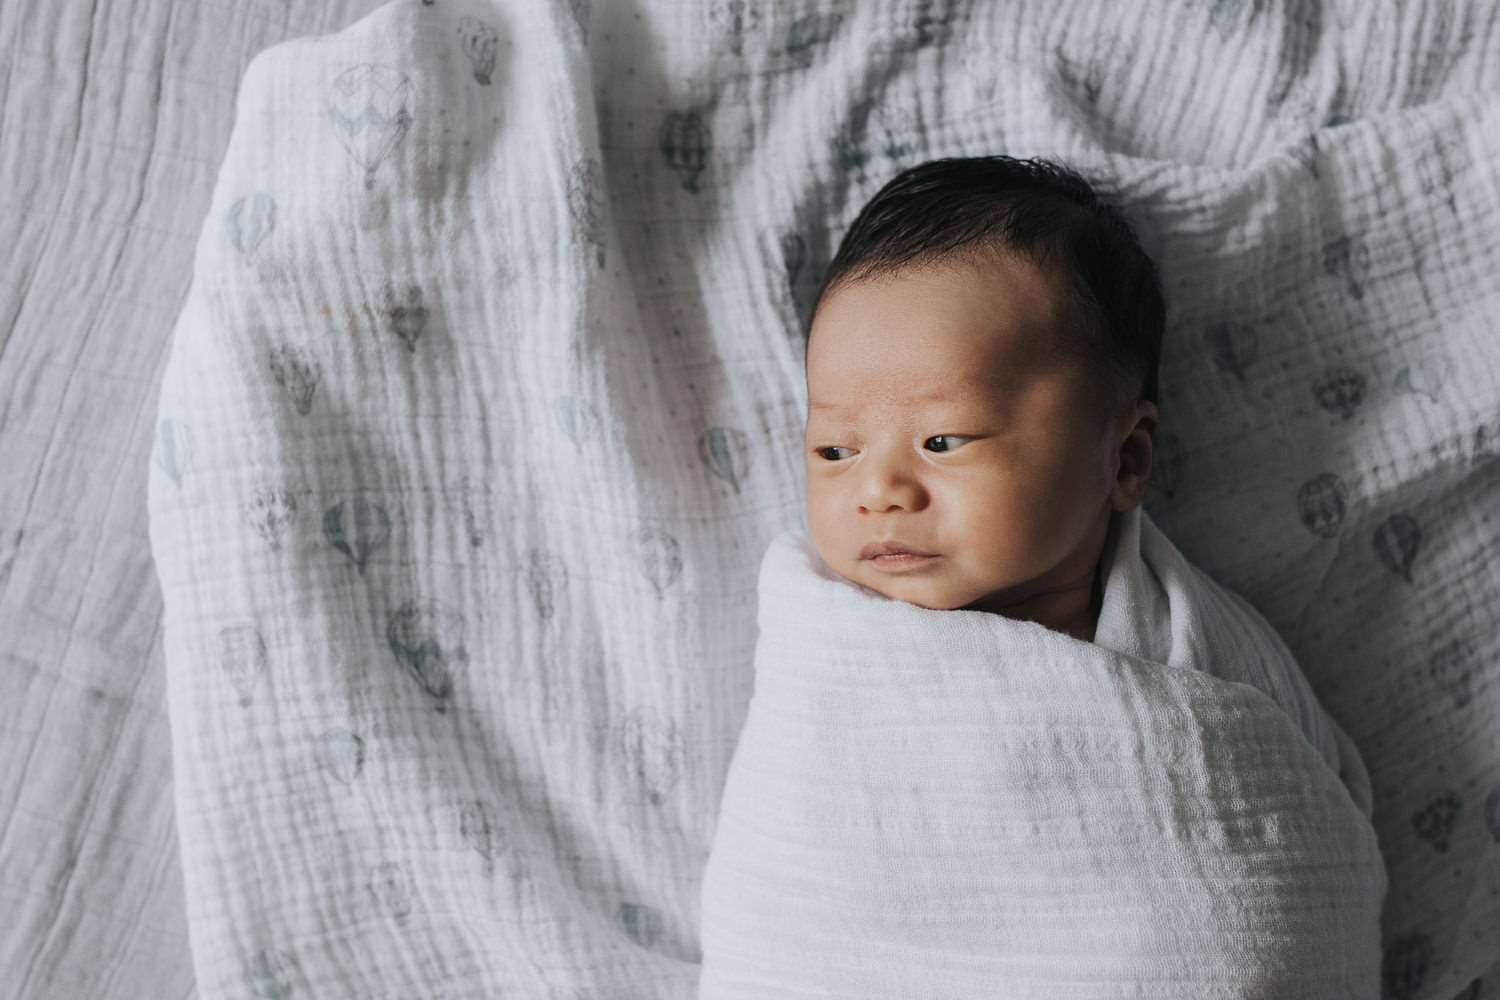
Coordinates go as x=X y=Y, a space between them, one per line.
x=1317 y=182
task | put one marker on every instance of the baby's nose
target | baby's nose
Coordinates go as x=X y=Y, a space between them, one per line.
x=889 y=487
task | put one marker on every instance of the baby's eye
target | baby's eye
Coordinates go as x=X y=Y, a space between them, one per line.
x=834 y=453
x=945 y=442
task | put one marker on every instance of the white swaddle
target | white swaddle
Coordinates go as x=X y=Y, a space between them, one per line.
x=956 y=804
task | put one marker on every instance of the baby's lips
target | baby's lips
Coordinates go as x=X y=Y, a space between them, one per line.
x=875 y=549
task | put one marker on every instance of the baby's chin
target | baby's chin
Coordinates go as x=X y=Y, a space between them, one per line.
x=922 y=593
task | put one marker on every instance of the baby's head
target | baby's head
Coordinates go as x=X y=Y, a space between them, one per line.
x=981 y=373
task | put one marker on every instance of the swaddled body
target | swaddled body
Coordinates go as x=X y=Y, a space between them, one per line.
x=955 y=804
x=1005 y=740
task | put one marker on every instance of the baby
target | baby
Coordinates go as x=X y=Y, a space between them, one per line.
x=981 y=375
x=1119 y=783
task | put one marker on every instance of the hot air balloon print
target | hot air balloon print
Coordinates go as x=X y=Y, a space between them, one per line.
x=479 y=829
x=1166 y=465
x=724 y=451
x=1348 y=260
x=174 y=448
x=1396 y=543
x=577 y=418
x=653 y=746
x=1404 y=965
x=809 y=34
x=546 y=575
x=357 y=528
x=251 y=220
x=370 y=107
x=299 y=374
x=582 y=13
x=1452 y=670
x=1320 y=503
x=1426 y=377
x=269 y=512
x=340 y=753
x=643 y=924
x=1233 y=347
x=784 y=251
x=659 y=556
x=1434 y=822
x=479 y=41
x=272 y=974
x=685 y=141
x=406 y=318
x=242 y=658
x=391 y=886
x=1340 y=390
x=427 y=637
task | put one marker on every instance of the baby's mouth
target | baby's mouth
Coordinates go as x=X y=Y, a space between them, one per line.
x=895 y=556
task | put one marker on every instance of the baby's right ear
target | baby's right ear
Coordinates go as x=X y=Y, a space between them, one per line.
x=1133 y=461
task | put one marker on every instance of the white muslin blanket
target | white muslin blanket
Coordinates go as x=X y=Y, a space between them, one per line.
x=956 y=804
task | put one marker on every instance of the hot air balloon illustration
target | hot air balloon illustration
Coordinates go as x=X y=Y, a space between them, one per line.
x=298 y=372
x=242 y=658
x=1452 y=670
x=643 y=924
x=427 y=637
x=1306 y=153
x=654 y=748
x=272 y=974
x=479 y=41
x=1320 y=502
x=784 y=251
x=577 y=418
x=1405 y=964
x=849 y=143
x=545 y=578
x=479 y=829
x=586 y=201
x=357 y=528
x=406 y=318
x=809 y=34
x=1396 y=543
x=341 y=753
x=1233 y=346
x=582 y=14
x=1434 y=821
x=370 y=107
x=251 y=219
x=1349 y=260
x=685 y=142
x=1426 y=377
x=1166 y=464
x=659 y=556
x=174 y=448
x=725 y=452
x=1340 y=390
x=392 y=888
x=269 y=512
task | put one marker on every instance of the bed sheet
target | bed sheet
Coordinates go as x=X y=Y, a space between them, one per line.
x=486 y=401
x=113 y=120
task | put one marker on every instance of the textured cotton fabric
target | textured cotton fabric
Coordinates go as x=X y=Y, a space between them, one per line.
x=487 y=399
x=956 y=804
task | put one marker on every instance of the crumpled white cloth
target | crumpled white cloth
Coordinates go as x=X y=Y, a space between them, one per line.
x=956 y=804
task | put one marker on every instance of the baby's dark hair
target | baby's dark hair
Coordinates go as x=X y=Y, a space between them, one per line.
x=962 y=209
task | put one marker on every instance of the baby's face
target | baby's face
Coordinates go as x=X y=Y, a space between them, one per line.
x=954 y=458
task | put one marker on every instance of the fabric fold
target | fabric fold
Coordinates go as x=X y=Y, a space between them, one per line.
x=952 y=803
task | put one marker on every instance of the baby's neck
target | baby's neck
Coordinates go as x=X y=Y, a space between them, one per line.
x=1072 y=608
